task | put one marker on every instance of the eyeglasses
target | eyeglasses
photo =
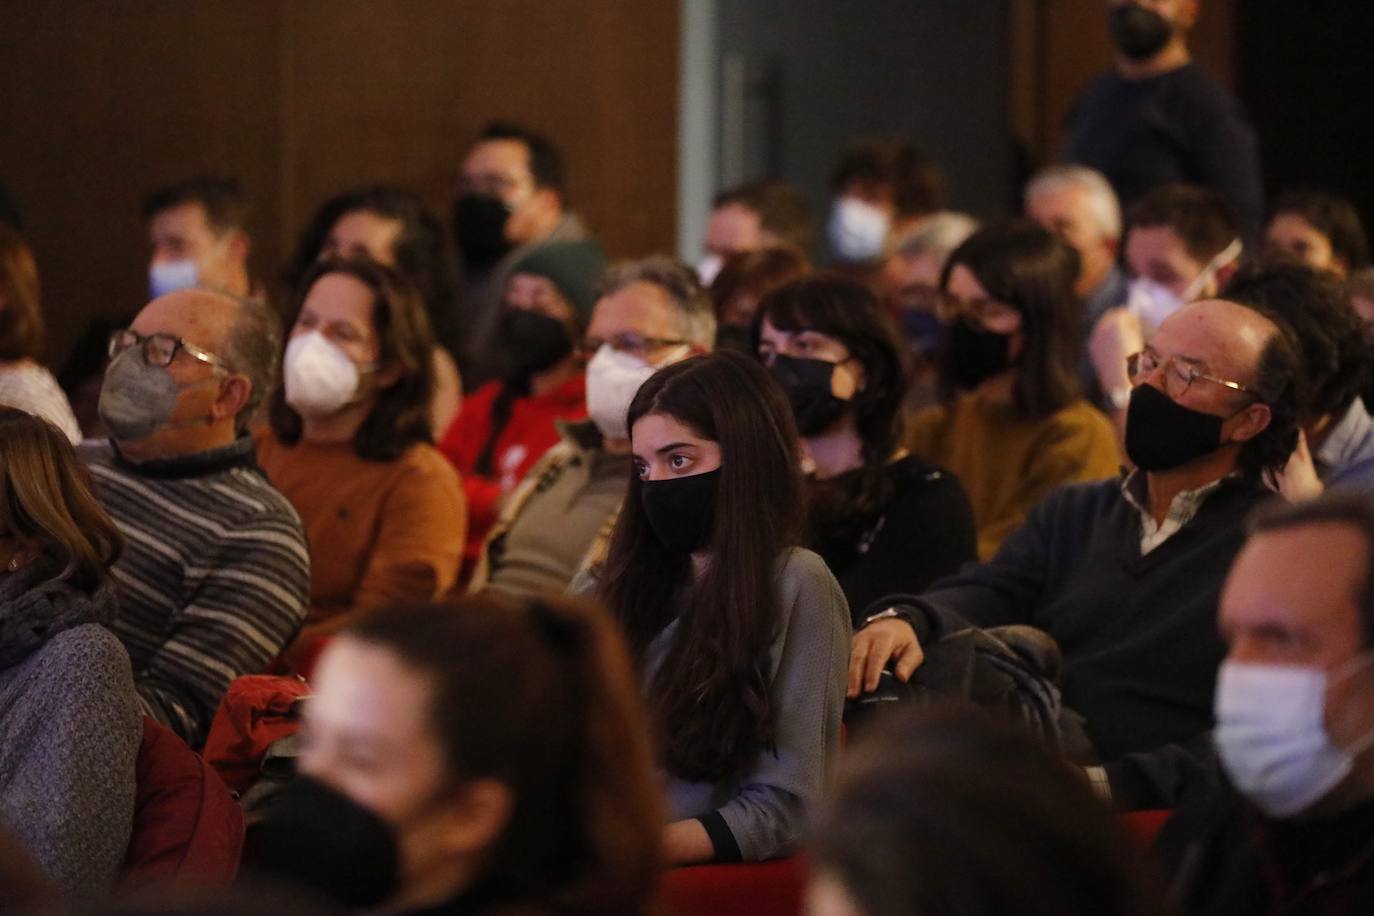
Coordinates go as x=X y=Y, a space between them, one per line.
x=634 y=344
x=1179 y=375
x=160 y=349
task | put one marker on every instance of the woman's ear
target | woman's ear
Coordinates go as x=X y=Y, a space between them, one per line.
x=476 y=816
x=388 y=375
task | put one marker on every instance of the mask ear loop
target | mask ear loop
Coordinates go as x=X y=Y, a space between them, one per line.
x=1209 y=271
x=1341 y=672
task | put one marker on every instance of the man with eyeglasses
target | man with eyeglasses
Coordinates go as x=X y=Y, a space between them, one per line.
x=215 y=571
x=511 y=198
x=557 y=522
x=1125 y=574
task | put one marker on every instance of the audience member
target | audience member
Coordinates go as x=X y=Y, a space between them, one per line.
x=742 y=283
x=511 y=199
x=1336 y=446
x=1316 y=229
x=1014 y=426
x=1158 y=117
x=475 y=758
x=24 y=382
x=198 y=237
x=920 y=822
x=1125 y=574
x=1181 y=246
x=1289 y=830
x=880 y=188
x=350 y=448
x=558 y=521
x=393 y=227
x=508 y=424
x=741 y=637
x=883 y=520
x=753 y=217
x=1360 y=287
x=69 y=715
x=1077 y=204
x=215 y=572
x=912 y=280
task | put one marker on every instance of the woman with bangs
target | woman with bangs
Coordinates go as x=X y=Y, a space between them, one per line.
x=1014 y=424
x=741 y=638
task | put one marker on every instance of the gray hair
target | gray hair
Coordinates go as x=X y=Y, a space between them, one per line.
x=1103 y=207
x=680 y=283
x=253 y=347
x=939 y=234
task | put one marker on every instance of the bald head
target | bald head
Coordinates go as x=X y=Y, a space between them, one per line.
x=202 y=318
x=1228 y=338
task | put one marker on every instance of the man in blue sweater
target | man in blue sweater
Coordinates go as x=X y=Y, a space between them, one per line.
x=1125 y=573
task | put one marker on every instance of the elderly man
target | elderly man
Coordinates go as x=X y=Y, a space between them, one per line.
x=558 y=521
x=1289 y=830
x=1125 y=574
x=215 y=572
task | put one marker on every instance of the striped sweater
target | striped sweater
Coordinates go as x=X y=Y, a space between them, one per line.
x=213 y=579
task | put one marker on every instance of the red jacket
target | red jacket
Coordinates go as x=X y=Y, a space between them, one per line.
x=527 y=435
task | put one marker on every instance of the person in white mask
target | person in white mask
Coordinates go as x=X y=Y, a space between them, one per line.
x=752 y=217
x=197 y=237
x=881 y=187
x=350 y=447
x=1290 y=829
x=1182 y=245
x=557 y=521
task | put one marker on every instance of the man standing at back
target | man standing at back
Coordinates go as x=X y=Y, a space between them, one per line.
x=1158 y=117
x=511 y=199
x=215 y=571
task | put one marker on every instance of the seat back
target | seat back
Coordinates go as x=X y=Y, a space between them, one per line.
x=187 y=825
x=774 y=888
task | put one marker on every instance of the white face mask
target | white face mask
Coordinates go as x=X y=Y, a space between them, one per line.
x=613 y=378
x=169 y=276
x=857 y=230
x=708 y=268
x=319 y=378
x=1271 y=734
x=1152 y=302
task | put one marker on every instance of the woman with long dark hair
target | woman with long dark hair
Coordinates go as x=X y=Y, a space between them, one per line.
x=1013 y=425
x=479 y=758
x=350 y=447
x=740 y=636
x=884 y=520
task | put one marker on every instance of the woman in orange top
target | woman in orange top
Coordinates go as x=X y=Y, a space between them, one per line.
x=350 y=447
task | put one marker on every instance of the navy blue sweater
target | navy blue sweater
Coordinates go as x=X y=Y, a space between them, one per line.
x=1138 y=634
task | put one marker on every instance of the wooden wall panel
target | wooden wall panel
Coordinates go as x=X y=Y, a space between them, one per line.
x=303 y=98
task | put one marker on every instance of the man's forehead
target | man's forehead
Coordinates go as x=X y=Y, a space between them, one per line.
x=505 y=156
x=640 y=306
x=199 y=316
x=1306 y=574
x=187 y=216
x=1215 y=332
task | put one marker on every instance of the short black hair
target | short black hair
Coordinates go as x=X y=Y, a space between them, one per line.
x=917 y=186
x=782 y=210
x=1334 y=217
x=546 y=161
x=1316 y=306
x=1199 y=216
x=1345 y=507
x=222 y=197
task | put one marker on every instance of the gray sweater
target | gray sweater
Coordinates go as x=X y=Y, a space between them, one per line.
x=70 y=727
x=765 y=810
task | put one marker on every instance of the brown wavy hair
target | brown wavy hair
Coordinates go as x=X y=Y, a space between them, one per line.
x=709 y=698
x=540 y=696
x=46 y=500
x=400 y=418
x=21 y=314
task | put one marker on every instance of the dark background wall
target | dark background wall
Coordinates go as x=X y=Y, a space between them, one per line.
x=303 y=98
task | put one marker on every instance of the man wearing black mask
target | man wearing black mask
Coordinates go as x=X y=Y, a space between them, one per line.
x=1159 y=118
x=1125 y=574
x=510 y=200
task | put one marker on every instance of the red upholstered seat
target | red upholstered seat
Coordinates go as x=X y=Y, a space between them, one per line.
x=187 y=825
x=1145 y=825
x=753 y=889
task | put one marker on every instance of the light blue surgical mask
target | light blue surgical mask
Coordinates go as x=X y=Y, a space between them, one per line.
x=169 y=276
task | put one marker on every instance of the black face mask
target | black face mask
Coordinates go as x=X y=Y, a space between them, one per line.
x=1139 y=33
x=531 y=342
x=681 y=510
x=976 y=355
x=735 y=337
x=1162 y=434
x=317 y=838
x=807 y=383
x=479 y=226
